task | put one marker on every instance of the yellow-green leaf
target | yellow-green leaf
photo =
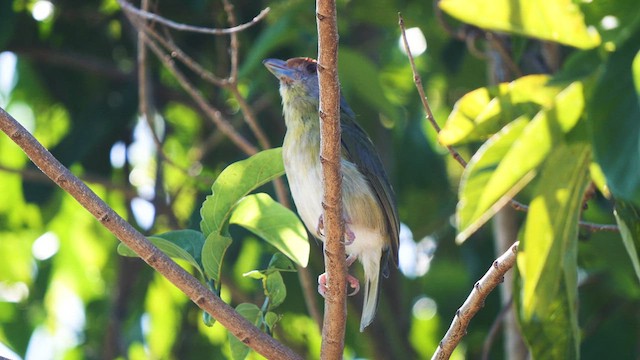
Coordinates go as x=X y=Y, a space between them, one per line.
x=547 y=257
x=561 y=21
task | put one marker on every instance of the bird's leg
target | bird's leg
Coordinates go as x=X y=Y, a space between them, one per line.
x=348 y=234
x=353 y=282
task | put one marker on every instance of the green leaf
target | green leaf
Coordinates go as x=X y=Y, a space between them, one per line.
x=275 y=289
x=628 y=219
x=518 y=164
x=483 y=112
x=279 y=262
x=614 y=112
x=274 y=223
x=252 y=313
x=236 y=181
x=547 y=255
x=181 y=244
x=478 y=173
x=270 y=319
x=554 y=20
x=212 y=254
x=255 y=274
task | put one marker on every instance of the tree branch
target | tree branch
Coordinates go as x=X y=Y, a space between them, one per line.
x=333 y=330
x=197 y=292
x=183 y=27
x=475 y=301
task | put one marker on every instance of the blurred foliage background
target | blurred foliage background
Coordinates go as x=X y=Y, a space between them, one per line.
x=68 y=72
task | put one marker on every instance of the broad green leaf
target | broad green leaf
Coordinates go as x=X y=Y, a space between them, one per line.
x=275 y=289
x=212 y=254
x=478 y=173
x=236 y=181
x=252 y=313
x=628 y=219
x=180 y=244
x=483 y=112
x=274 y=223
x=520 y=161
x=547 y=255
x=554 y=20
x=614 y=112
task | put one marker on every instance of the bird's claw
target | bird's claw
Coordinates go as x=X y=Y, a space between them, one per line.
x=349 y=235
x=351 y=281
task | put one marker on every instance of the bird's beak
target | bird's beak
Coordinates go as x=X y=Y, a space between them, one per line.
x=280 y=69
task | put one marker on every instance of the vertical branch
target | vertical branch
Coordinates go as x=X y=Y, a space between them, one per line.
x=333 y=330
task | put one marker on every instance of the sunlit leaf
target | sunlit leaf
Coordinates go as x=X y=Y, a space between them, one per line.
x=276 y=290
x=212 y=254
x=274 y=223
x=478 y=173
x=236 y=181
x=252 y=313
x=614 y=113
x=483 y=112
x=554 y=20
x=547 y=255
x=628 y=219
x=518 y=164
x=181 y=244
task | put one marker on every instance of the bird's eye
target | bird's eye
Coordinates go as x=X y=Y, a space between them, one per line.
x=312 y=68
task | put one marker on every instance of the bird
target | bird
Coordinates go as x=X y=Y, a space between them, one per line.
x=369 y=204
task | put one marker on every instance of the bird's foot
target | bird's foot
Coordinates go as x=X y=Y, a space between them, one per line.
x=351 y=280
x=349 y=235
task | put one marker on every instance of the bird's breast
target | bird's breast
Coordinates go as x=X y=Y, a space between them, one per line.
x=361 y=209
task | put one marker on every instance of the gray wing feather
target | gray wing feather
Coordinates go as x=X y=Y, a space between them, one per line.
x=358 y=149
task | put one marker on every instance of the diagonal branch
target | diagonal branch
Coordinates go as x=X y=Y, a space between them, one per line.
x=475 y=302
x=197 y=292
x=333 y=330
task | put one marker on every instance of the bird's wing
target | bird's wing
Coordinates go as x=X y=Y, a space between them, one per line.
x=358 y=149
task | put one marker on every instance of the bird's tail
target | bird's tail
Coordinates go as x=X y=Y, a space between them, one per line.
x=371 y=266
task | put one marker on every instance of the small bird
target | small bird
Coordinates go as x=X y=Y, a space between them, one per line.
x=369 y=207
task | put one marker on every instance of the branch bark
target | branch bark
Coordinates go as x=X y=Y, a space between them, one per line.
x=475 y=302
x=197 y=292
x=333 y=330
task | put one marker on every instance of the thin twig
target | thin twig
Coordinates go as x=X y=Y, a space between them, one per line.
x=335 y=304
x=233 y=43
x=425 y=103
x=130 y=9
x=475 y=301
x=418 y=82
x=196 y=291
x=213 y=114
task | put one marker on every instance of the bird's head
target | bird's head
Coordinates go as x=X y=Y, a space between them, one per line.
x=298 y=80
